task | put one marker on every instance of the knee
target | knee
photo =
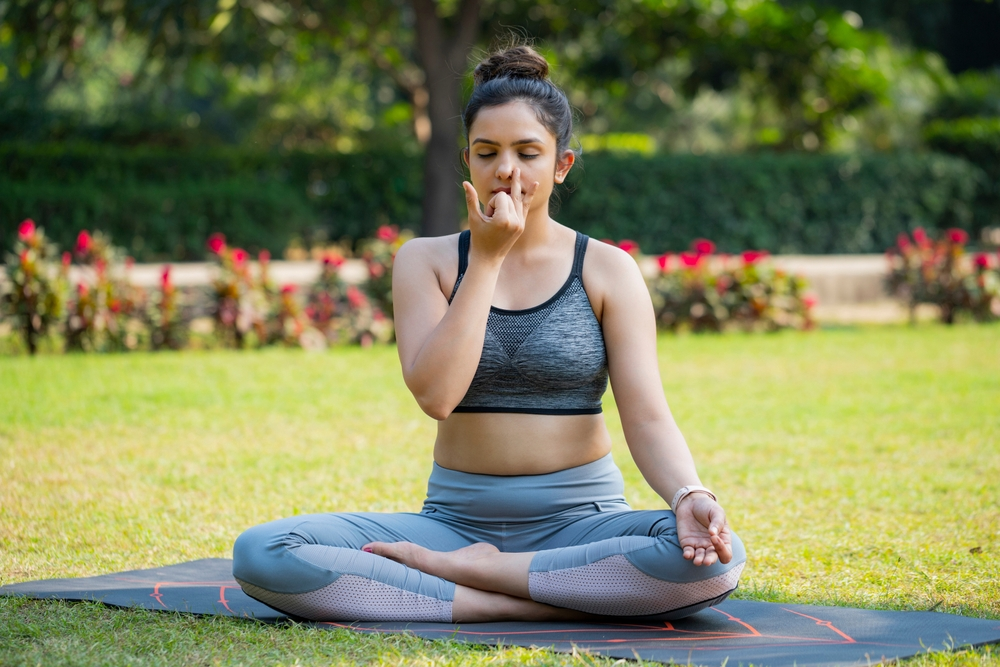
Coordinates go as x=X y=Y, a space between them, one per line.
x=665 y=560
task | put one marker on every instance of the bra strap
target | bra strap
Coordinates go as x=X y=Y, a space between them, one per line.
x=463 y=260
x=578 y=254
x=464 y=241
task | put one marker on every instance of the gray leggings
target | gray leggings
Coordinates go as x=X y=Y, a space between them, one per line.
x=594 y=553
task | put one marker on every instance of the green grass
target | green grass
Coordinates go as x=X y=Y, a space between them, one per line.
x=860 y=466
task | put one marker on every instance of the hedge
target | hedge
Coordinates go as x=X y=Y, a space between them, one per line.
x=977 y=139
x=162 y=204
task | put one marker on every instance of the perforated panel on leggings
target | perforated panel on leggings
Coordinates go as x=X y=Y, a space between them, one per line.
x=353 y=598
x=614 y=587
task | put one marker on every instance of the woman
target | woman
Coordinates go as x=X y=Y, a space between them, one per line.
x=525 y=516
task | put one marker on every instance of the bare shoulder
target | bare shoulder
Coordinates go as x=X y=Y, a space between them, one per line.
x=608 y=270
x=422 y=257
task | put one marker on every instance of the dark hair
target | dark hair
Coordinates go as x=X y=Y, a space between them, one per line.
x=519 y=73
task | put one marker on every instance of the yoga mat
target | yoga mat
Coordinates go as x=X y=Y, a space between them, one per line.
x=737 y=631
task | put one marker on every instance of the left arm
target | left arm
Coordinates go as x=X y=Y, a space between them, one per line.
x=654 y=440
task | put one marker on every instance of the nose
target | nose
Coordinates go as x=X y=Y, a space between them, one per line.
x=505 y=167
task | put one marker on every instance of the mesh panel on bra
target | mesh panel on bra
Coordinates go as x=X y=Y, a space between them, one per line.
x=512 y=329
x=614 y=587
x=353 y=598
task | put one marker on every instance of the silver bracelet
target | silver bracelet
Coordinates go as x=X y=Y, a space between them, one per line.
x=686 y=491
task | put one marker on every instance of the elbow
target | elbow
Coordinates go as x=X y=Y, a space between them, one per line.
x=435 y=410
x=434 y=407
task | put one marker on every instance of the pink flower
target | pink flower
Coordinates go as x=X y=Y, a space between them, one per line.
x=703 y=246
x=264 y=256
x=753 y=256
x=690 y=259
x=26 y=230
x=331 y=260
x=216 y=243
x=387 y=233
x=81 y=289
x=355 y=297
x=288 y=289
x=165 y=277
x=67 y=259
x=957 y=236
x=664 y=261
x=83 y=242
x=129 y=263
x=809 y=302
x=629 y=246
x=981 y=260
x=920 y=236
x=376 y=270
x=239 y=256
x=100 y=266
x=903 y=240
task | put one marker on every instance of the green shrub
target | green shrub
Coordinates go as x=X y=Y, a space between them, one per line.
x=976 y=139
x=788 y=203
x=161 y=204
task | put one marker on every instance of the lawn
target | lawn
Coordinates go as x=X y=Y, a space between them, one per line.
x=860 y=466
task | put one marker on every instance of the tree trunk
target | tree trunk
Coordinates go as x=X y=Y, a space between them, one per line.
x=444 y=59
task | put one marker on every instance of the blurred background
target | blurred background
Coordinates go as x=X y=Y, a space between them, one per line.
x=794 y=127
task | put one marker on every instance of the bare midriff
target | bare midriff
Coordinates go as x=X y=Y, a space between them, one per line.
x=492 y=443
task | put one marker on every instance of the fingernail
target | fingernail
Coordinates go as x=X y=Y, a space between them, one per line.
x=366 y=549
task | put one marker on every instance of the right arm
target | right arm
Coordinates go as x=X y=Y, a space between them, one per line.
x=440 y=345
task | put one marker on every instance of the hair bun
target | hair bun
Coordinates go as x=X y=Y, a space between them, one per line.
x=521 y=62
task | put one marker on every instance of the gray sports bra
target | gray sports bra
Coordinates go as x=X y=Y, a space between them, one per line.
x=546 y=360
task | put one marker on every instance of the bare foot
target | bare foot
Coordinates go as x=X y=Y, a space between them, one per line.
x=438 y=563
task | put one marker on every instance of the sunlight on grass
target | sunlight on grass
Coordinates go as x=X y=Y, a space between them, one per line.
x=860 y=467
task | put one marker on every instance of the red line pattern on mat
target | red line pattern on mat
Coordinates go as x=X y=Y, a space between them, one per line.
x=679 y=635
x=825 y=624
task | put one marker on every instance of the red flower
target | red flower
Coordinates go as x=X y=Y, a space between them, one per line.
x=329 y=259
x=264 y=256
x=115 y=306
x=67 y=259
x=216 y=243
x=903 y=240
x=239 y=256
x=387 y=233
x=81 y=289
x=26 y=230
x=355 y=297
x=288 y=289
x=690 y=259
x=703 y=246
x=957 y=236
x=809 y=302
x=165 y=277
x=753 y=256
x=664 y=262
x=920 y=236
x=981 y=260
x=631 y=247
x=83 y=242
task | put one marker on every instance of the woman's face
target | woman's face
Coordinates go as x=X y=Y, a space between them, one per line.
x=508 y=136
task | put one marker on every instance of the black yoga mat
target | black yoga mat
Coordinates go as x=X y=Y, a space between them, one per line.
x=737 y=632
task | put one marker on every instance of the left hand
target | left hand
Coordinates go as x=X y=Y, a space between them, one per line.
x=702 y=530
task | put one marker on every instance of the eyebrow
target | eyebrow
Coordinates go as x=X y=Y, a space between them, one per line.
x=519 y=142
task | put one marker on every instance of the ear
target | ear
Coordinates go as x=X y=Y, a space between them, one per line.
x=565 y=163
x=465 y=156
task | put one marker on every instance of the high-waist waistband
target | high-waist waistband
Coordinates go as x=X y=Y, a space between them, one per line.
x=525 y=498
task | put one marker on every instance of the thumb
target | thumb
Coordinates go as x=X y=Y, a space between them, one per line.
x=471 y=199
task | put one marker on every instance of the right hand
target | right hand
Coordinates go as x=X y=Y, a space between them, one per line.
x=495 y=230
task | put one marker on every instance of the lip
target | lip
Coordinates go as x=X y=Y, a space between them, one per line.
x=507 y=190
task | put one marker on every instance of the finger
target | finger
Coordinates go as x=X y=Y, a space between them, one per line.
x=526 y=198
x=471 y=199
x=699 y=556
x=491 y=206
x=515 y=186
x=688 y=553
x=724 y=549
x=710 y=557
